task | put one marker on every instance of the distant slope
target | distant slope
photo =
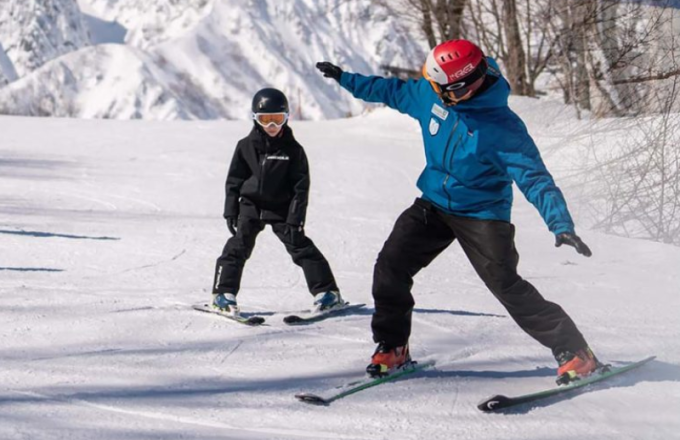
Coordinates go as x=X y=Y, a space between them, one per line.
x=209 y=57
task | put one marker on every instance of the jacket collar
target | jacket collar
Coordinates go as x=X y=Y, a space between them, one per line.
x=266 y=144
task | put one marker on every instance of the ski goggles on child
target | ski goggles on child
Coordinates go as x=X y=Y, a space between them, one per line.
x=267 y=119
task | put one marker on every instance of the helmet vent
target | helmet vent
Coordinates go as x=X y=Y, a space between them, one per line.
x=435 y=69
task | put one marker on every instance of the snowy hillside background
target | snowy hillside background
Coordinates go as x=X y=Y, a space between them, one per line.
x=198 y=59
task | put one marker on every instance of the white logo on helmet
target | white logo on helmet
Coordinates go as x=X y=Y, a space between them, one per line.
x=455 y=86
x=462 y=72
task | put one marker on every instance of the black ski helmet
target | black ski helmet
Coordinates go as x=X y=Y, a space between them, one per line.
x=270 y=101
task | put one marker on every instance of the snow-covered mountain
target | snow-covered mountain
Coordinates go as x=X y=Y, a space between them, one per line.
x=236 y=50
x=104 y=81
x=205 y=59
x=34 y=32
x=7 y=71
x=150 y=22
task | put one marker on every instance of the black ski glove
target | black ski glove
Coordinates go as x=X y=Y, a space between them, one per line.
x=231 y=224
x=572 y=240
x=329 y=70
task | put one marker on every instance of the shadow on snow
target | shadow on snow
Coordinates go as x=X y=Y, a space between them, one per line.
x=458 y=313
x=50 y=235
x=30 y=269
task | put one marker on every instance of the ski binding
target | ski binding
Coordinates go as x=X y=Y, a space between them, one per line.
x=252 y=320
x=308 y=316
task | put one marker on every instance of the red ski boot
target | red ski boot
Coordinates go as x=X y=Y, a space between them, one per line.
x=574 y=366
x=386 y=359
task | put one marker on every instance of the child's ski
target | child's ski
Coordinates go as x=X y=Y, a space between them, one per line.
x=308 y=316
x=344 y=390
x=500 y=402
x=241 y=319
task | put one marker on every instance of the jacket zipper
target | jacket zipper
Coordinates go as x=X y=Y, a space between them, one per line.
x=446 y=179
x=262 y=174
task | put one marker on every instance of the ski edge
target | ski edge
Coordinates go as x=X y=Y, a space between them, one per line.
x=500 y=402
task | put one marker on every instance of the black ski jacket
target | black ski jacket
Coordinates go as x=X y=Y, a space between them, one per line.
x=268 y=178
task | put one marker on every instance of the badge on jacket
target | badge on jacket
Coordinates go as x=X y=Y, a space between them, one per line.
x=434 y=126
x=440 y=111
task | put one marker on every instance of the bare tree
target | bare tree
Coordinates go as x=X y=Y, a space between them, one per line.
x=603 y=60
x=634 y=184
x=515 y=60
x=515 y=33
x=439 y=20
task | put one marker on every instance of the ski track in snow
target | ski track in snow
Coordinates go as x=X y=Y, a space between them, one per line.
x=233 y=431
x=98 y=340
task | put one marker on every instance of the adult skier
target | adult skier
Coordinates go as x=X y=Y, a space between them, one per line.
x=475 y=147
x=268 y=183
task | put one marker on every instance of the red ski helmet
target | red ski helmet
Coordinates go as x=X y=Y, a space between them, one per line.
x=455 y=69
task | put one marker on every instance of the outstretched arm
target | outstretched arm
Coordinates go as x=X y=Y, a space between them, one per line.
x=524 y=165
x=403 y=96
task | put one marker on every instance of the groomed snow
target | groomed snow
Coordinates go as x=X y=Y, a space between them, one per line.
x=110 y=230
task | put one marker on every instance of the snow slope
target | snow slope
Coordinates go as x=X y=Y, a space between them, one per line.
x=110 y=230
x=153 y=21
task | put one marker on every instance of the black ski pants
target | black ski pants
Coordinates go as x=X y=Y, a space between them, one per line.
x=420 y=234
x=229 y=267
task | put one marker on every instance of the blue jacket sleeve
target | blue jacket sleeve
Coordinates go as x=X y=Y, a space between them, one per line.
x=395 y=93
x=524 y=165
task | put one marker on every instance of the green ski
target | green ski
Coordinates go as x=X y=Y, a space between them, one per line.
x=359 y=385
x=500 y=402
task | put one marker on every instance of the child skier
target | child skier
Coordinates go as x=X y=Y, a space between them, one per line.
x=268 y=183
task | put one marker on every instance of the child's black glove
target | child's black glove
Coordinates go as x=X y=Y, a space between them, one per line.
x=329 y=70
x=231 y=224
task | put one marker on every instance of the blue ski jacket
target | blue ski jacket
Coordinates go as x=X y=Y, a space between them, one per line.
x=474 y=150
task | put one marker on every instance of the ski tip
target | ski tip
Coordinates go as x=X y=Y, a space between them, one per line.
x=255 y=320
x=292 y=319
x=493 y=403
x=312 y=399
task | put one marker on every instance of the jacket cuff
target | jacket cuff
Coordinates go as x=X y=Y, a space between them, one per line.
x=561 y=229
